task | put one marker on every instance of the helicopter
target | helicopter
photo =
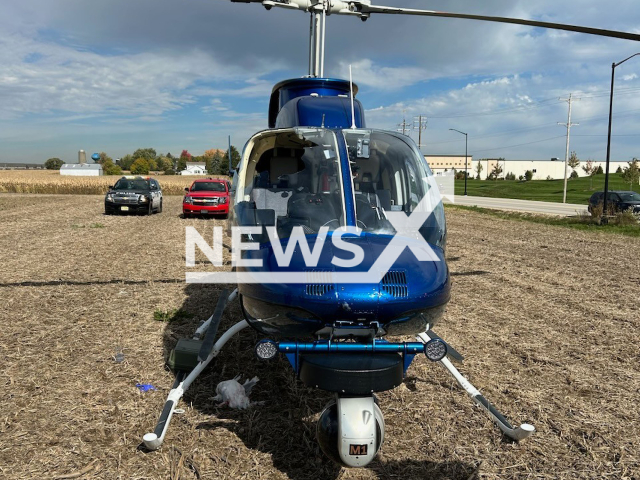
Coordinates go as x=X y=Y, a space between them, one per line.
x=340 y=239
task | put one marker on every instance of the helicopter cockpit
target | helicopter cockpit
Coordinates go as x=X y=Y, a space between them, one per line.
x=296 y=178
x=389 y=174
x=292 y=178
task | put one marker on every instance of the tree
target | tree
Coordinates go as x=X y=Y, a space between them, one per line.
x=146 y=153
x=185 y=157
x=573 y=162
x=619 y=170
x=215 y=162
x=631 y=174
x=140 y=167
x=496 y=171
x=599 y=170
x=108 y=167
x=163 y=164
x=478 y=170
x=590 y=169
x=235 y=159
x=126 y=162
x=152 y=164
x=528 y=175
x=53 y=164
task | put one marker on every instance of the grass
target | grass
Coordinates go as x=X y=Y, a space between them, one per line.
x=170 y=316
x=546 y=317
x=51 y=182
x=579 y=190
x=618 y=225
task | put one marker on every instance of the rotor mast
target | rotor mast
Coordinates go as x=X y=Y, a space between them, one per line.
x=317 y=29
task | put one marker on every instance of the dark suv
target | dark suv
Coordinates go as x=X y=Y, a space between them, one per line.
x=134 y=194
x=618 y=201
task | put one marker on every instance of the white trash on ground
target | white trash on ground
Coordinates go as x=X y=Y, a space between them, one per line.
x=233 y=394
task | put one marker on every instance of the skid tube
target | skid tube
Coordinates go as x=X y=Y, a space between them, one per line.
x=153 y=440
x=517 y=434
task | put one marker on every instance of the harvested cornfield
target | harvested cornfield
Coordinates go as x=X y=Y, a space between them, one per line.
x=546 y=316
x=50 y=181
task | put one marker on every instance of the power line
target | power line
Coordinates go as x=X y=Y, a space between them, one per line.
x=520 y=144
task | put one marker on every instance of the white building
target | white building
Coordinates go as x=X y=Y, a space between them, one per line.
x=194 y=168
x=542 y=169
x=443 y=163
x=81 y=169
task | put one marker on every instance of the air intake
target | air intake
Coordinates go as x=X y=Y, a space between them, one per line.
x=395 y=284
x=320 y=282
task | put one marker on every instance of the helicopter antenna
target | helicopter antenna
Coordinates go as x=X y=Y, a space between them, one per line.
x=353 y=116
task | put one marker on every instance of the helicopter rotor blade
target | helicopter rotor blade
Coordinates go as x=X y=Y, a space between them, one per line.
x=366 y=9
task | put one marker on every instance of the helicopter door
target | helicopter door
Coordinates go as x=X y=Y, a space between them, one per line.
x=291 y=178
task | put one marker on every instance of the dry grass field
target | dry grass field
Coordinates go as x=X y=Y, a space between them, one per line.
x=547 y=317
x=50 y=181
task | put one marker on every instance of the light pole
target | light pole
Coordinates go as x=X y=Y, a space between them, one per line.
x=606 y=175
x=466 y=144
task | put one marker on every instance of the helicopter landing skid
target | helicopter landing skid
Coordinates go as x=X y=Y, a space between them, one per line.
x=517 y=434
x=210 y=350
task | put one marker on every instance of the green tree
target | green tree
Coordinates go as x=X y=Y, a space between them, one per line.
x=140 y=167
x=235 y=160
x=573 y=162
x=146 y=153
x=619 y=170
x=163 y=163
x=53 y=164
x=590 y=169
x=478 y=170
x=599 y=170
x=126 y=162
x=104 y=157
x=108 y=167
x=528 y=175
x=631 y=174
x=496 y=171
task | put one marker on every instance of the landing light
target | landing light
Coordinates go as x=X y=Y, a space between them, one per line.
x=435 y=350
x=266 y=349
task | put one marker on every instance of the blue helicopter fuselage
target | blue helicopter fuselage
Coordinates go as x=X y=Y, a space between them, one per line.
x=313 y=174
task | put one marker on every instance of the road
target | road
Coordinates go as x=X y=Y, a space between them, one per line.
x=547 y=208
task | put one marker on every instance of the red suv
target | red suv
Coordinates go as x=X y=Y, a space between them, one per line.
x=207 y=197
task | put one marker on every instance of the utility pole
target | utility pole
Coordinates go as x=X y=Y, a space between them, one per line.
x=404 y=126
x=420 y=124
x=566 y=156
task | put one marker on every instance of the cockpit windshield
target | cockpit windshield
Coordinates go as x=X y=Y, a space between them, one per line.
x=390 y=175
x=292 y=178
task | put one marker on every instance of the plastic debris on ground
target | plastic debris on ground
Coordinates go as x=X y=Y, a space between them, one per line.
x=233 y=394
x=145 y=387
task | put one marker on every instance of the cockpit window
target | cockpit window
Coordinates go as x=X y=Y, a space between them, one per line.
x=389 y=174
x=292 y=178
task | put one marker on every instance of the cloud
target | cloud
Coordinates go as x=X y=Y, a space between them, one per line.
x=122 y=73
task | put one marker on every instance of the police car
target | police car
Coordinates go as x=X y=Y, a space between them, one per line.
x=134 y=194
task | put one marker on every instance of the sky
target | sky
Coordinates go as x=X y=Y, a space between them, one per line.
x=184 y=74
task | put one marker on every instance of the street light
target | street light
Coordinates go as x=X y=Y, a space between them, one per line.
x=466 y=143
x=606 y=176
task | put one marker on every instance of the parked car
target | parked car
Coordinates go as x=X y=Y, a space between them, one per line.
x=617 y=200
x=134 y=194
x=208 y=196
